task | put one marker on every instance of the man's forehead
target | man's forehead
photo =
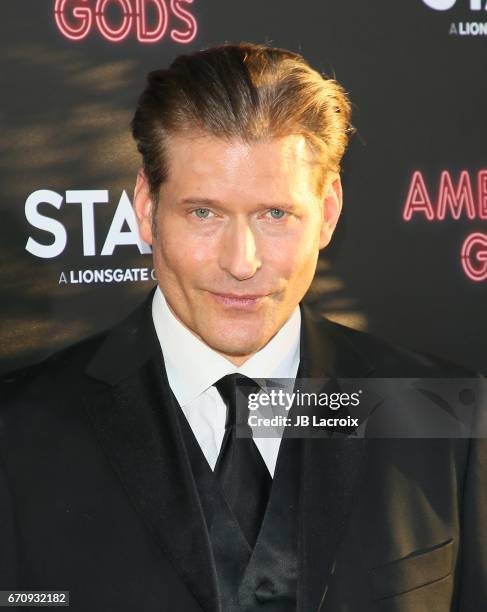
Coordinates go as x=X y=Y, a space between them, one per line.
x=189 y=142
x=194 y=154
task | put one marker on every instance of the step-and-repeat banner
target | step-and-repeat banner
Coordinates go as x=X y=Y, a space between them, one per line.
x=409 y=258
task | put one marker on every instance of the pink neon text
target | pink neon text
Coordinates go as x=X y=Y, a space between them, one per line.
x=147 y=19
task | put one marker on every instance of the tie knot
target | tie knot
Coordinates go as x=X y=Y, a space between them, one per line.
x=235 y=390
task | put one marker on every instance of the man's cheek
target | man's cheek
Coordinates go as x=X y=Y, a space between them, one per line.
x=201 y=253
x=293 y=256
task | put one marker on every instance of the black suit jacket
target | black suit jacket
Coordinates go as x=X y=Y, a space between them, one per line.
x=97 y=495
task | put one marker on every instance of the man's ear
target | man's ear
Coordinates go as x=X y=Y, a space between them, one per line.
x=143 y=207
x=332 y=207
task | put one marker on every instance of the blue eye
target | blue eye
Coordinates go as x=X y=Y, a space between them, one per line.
x=202 y=213
x=276 y=213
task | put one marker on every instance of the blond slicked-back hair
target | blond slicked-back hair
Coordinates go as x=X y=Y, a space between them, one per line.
x=248 y=92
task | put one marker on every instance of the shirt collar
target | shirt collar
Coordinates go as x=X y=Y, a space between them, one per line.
x=185 y=354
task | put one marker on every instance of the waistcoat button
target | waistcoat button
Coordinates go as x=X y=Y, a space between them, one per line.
x=265 y=591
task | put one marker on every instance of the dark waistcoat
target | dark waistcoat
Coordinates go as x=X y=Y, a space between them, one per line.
x=265 y=577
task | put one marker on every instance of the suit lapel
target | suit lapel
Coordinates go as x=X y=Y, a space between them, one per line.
x=331 y=467
x=136 y=423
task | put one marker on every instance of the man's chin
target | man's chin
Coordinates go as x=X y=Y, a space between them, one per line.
x=235 y=347
x=237 y=337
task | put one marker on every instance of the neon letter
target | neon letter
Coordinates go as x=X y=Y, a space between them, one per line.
x=114 y=35
x=418 y=199
x=482 y=194
x=188 y=35
x=83 y=15
x=157 y=32
x=475 y=266
x=455 y=199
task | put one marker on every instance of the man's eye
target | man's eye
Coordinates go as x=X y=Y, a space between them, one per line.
x=276 y=213
x=202 y=213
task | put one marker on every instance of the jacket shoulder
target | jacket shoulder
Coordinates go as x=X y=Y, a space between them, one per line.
x=394 y=360
x=64 y=367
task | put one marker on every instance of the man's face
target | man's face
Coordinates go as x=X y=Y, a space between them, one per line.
x=236 y=235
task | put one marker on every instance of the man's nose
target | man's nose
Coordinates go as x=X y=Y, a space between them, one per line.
x=238 y=254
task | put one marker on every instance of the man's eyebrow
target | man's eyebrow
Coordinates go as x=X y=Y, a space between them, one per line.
x=199 y=202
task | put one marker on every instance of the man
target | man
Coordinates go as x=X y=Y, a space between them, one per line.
x=123 y=480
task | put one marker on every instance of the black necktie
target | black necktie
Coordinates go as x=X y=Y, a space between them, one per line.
x=240 y=469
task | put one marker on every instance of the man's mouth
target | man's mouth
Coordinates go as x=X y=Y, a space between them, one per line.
x=244 y=301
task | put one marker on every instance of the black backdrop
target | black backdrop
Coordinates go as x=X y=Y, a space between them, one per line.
x=417 y=78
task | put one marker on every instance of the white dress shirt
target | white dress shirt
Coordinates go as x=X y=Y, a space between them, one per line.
x=193 y=368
